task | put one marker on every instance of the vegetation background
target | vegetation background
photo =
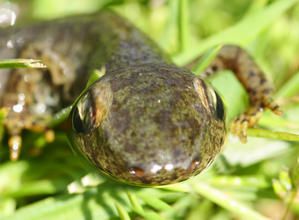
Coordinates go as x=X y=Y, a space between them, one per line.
x=257 y=180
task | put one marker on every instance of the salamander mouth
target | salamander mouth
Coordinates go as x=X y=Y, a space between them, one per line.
x=162 y=174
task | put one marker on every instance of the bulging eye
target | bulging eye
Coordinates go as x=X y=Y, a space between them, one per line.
x=92 y=108
x=216 y=103
x=83 y=117
x=210 y=99
x=219 y=107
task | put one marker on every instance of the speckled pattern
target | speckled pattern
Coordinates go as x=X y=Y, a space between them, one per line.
x=157 y=128
x=145 y=122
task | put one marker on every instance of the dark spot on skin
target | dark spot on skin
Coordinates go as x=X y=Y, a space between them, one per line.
x=267 y=91
x=121 y=120
x=130 y=148
x=174 y=175
x=145 y=180
x=251 y=74
x=244 y=120
x=133 y=134
x=253 y=114
x=163 y=119
x=262 y=81
x=177 y=152
x=252 y=92
x=195 y=125
x=214 y=68
x=275 y=107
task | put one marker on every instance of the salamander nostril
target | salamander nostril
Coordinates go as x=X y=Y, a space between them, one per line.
x=137 y=171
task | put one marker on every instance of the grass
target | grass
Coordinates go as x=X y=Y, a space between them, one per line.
x=21 y=63
x=245 y=182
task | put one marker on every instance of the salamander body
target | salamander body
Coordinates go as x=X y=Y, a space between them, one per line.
x=145 y=122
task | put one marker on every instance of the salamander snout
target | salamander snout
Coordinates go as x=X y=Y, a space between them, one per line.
x=149 y=128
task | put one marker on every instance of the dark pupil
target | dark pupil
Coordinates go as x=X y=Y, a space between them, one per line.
x=219 y=107
x=83 y=114
x=78 y=124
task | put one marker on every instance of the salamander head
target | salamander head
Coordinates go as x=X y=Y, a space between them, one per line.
x=149 y=126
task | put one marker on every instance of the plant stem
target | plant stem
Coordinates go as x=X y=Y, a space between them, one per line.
x=183 y=32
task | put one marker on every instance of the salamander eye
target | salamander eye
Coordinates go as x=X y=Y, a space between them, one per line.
x=210 y=99
x=83 y=117
x=219 y=107
x=217 y=104
x=92 y=108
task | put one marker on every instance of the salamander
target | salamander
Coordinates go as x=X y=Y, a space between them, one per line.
x=146 y=121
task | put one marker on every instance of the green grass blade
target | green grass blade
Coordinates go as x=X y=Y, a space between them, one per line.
x=63 y=114
x=123 y=214
x=60 y=116
x=290 y=88
x=242 y=32
x=206 y=59
x=154 y=202
x=7 y=207
x=41 y=187
x=236 y=181
x=224 y=200
x=180 y=206
x=94 y=76
x=150 y=215
x=3 y=114
x=135 y=202
x=80 y=206
x=21 y=63
x=183 y=32
x=255 y=132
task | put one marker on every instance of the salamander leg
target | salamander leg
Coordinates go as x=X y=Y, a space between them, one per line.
x=259 y=89
x=31 y=96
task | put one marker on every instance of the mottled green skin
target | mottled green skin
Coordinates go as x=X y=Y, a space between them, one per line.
x=146 y=121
